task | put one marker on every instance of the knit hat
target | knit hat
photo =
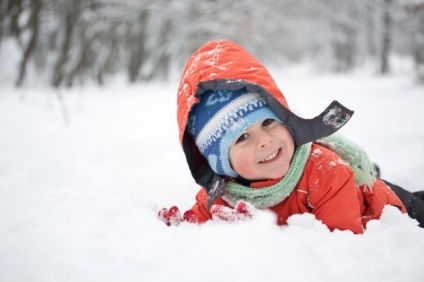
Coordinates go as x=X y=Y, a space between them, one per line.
x=219 y=118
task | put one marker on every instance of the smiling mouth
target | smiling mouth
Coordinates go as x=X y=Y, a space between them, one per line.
x=271 y=157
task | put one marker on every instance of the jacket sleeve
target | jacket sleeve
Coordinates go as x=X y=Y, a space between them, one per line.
x=199 y=207
x=333 y=194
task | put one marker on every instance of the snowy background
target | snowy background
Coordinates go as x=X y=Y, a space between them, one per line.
x=83 y=172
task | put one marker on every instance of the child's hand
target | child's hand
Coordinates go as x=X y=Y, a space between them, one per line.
x=173 y=216
x=242 y=210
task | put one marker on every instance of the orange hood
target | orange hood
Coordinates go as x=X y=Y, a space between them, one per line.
x=223 y=64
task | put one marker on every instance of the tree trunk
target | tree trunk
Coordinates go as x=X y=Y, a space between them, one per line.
x=2 y=17
x=138 y=53
x=34 y=23
x=162 y=62
x=82 y=61
x=15 y=8
x=58 y=71
x=387 y=37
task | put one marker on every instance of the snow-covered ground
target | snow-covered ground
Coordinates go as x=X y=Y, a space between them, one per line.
x=83 y=171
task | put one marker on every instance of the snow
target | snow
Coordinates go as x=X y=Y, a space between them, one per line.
x=81 y=181
x=336 y=118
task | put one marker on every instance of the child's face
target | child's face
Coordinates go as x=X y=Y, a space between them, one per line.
x=263 y=151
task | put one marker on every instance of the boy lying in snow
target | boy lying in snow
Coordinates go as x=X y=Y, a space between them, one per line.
x=247 y=149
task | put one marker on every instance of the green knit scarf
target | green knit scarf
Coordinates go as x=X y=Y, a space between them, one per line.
x=354 y=155
x=269 y=196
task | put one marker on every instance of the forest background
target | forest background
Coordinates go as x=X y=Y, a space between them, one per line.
x=89 y=147
x=72 y=42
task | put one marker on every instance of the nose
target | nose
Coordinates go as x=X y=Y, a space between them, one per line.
x=264 y=139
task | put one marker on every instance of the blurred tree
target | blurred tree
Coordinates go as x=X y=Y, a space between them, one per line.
x=74 y=41
x=72 y=11
x=10 y=12
x=32 y=25
x=344 y=30
x=137 y=48
x=386 y=36
x=416 y=15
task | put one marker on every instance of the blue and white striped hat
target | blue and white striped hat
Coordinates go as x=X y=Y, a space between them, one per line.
x=220 y=117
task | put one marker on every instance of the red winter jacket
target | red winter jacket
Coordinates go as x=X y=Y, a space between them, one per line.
x=327 y=188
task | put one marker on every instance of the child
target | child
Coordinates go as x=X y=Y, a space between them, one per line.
x=246 y=148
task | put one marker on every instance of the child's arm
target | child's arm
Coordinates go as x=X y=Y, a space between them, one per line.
x=333 y=194
x=199 y=207
x=338 y=207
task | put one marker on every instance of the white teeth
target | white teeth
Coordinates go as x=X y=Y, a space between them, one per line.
x=271 y=157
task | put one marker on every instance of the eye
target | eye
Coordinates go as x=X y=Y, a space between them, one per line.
x=268 y=121
x=242 y=137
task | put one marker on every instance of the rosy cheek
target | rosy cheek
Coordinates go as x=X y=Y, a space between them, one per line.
x=242 y=164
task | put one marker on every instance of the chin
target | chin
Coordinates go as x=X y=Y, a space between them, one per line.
x=280 y=174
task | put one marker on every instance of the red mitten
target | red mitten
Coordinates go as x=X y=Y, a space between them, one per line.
x=173 y=216
x=223 y=213
x=190 y=216
x=242 y=210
